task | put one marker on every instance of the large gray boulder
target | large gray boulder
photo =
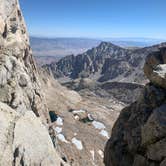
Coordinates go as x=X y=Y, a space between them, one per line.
x=139 y=135
x=155 y=67
x=24 y=140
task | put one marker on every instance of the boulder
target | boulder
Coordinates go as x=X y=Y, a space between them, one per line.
x=155 y=68
x=155 y=127
x=24 y=140
x=138 y=137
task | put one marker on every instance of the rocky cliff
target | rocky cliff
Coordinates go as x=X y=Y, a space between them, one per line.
x=24 y=138
x=139 y=135
x=105 y=62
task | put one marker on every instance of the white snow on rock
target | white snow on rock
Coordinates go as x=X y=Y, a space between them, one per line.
x=98 y=125
x=59 y=121
x=77 y=143
x=58 y=129
x=78 y=111
x=93 y=154
x=100 y=152
x=62 y=138
x=104 y=133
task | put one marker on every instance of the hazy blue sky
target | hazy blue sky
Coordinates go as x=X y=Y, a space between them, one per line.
x=96 y=18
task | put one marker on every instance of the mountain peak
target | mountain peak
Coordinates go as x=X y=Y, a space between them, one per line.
x=108 y=44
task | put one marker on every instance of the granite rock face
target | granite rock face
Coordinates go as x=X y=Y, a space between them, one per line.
x=138 y=136
x=155 y=67
x=24 y=138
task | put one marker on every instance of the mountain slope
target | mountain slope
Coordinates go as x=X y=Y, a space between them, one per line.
x=104 y=62
x=80 y=122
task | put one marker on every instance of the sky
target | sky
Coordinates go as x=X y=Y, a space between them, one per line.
x=96 y=18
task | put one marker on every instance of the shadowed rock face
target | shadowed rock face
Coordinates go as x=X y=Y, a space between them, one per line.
x=139 y=135
x=24 y=140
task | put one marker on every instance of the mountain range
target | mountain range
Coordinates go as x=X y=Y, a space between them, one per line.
x=106 y=62
x=47 y=50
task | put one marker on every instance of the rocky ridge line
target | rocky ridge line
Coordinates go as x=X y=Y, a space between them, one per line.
x=104 y=62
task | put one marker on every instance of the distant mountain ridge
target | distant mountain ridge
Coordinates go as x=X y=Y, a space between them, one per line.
x=48 y=50
x=105 y=62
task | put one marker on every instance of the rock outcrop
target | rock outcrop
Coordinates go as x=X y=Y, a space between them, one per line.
x=139 y=135
x=24 y=138
x=104 y=62
x=121 y=91
x=155 y=68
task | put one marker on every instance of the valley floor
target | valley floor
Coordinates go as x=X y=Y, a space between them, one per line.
x=83 y=123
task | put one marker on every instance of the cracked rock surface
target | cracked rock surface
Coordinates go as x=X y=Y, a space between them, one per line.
x=139 y=135
x=24 y=137
x=24 y=140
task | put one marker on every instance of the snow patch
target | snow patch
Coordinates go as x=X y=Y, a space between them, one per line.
x=58 y=129
x=100 y=152
x=104 y=133
x=78 y=111
x=98 y=125
x=77 y=143
x=93 y=154
x=59 y=121
x=62 y=138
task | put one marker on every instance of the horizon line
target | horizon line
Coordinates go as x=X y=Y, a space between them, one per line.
x=97 y=38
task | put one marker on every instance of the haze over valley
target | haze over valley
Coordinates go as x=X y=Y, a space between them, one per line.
x=47 y=50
